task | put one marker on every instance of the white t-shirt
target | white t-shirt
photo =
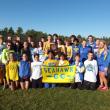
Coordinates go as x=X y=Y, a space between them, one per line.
x=36 y=70
x=91 y=70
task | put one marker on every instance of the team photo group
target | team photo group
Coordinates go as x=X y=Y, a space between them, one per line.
x=22 y=62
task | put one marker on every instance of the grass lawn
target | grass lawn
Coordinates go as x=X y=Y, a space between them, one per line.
x=54 y=99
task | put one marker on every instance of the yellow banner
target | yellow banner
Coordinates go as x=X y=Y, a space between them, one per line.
x=58 y=74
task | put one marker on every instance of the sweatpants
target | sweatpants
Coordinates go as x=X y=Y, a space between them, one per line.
x=89 y=85
x=76 y=85
x=37 y=83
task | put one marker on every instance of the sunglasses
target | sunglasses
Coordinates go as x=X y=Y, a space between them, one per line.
x=8 y=45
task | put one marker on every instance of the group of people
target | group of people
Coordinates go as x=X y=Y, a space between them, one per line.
x=20 y=62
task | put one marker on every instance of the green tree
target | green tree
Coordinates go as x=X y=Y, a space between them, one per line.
x=19 y=31
x=11 y=31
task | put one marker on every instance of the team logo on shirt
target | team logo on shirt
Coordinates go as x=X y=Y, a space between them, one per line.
x=90 y=67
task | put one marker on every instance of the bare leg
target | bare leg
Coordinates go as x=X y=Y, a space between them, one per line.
x=12 y=86
x=4 y=83
x=26 y=85
x=105 y=81
x=101 y=78
x=22 y=85
x=16 y=83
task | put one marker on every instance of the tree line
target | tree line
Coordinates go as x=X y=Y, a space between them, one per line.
x=36 y=35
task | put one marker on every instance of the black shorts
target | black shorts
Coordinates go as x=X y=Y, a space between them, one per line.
x=37 y=83
x=89 y=85
x=12 y=81
x=24 y=79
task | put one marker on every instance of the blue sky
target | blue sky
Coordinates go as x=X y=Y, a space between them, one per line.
x=64 y=17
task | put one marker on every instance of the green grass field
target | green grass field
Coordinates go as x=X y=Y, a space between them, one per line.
x=54 y=99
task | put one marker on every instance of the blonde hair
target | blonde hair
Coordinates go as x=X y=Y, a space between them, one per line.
x=67 y=40
x=103 y=41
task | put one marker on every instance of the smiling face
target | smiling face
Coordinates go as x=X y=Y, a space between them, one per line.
x=67 y=42
x=59 y=41
x=49 y=38
x=40 y=44
x=90 y=56
x=18 y=38
x=11 y=57
x=42 y=39
x=62 y=57
x=33 y=44
x=24 y=57
x=9 y=45
x=90 y=39
x=25 y=45
x=50 y=55
x=84 y=43
x=29 y=39
x=101 y=45
x=77 y=58
x=97 y=42
x=36 y=57
x=9 y=38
